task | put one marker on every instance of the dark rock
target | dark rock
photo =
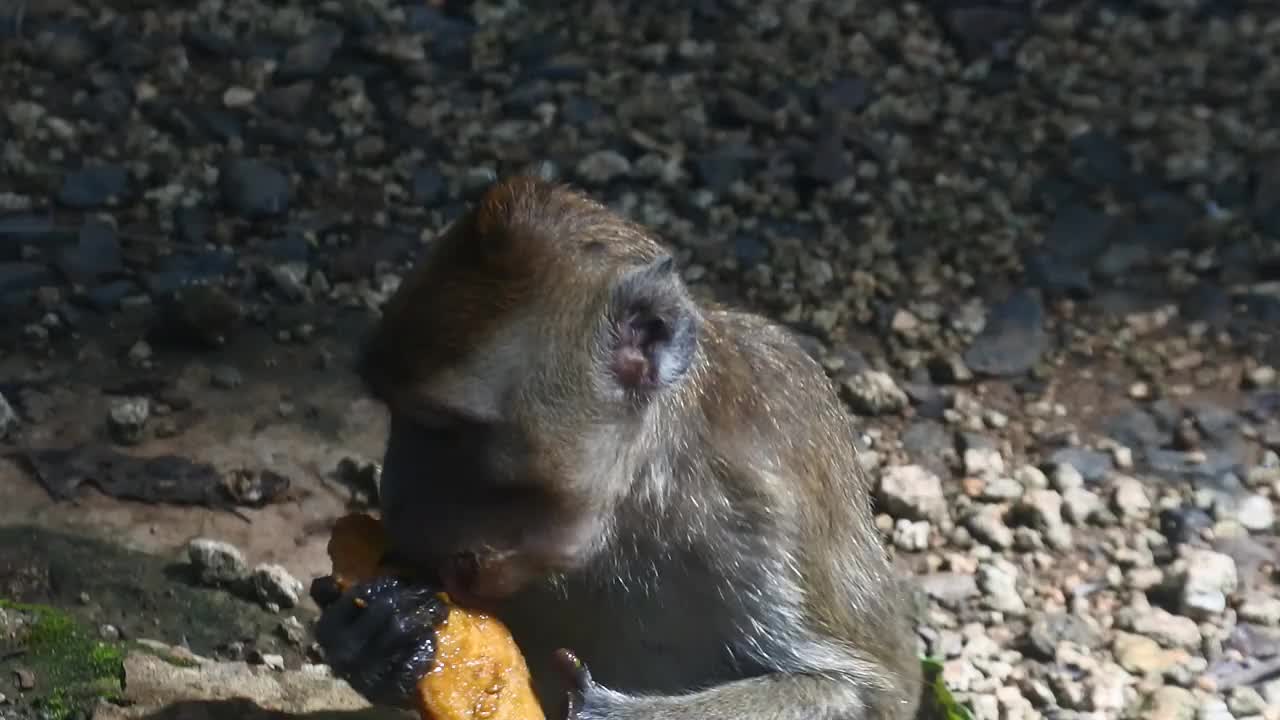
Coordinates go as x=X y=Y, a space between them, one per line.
x=192 y=224
x=845 y=94
x=736 y=108
x=1124 y=257
x=1174 y=464
x=254 y=188
x=1265 y=206
x=1078 y=233
x=1092 y=465
x=158 y=479
x=202 y=316
x=209 y=42
x=1054 y=190
x=928 y=443
x=566 y=67
x=272 y=131
x=1238 y=261
x=107 y=297
x=1260 y=309
x=311 y=57
x=719 y=169
x=1207 y=303
x=1052 y=628
x=579 y=110
x=20 y=277
x=1136 y=429
x=525 y=97
x=429 y=186
x=94 y=186
x=750 y=251
x=23 y=228
x=1101 y=160
x=186 y=269
x=450 y=37
x=1167 y=414
x=1013 y=339
x=1218 y=424
x=293 y=247
x=1170 y=231
x=320 y=168
x=289 y=100
x=974 y=441
x=1056 y=275
x=95 y=255
x=1184 y=524
x=66 y=46
x=131 y=56
x=983 y=29
x=1262 y=405
x=216 y=123
x=825 y=163
x=927 y=398
x=109 y=105
x=948 y=369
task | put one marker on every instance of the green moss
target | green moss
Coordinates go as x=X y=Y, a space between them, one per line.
x=73 y=668
x=938 y=701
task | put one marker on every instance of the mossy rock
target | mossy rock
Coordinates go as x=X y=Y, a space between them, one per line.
x=68 y=586
x=143 y=595
x=72 y=668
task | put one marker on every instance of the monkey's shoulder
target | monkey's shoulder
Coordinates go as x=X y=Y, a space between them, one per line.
x=755 y=338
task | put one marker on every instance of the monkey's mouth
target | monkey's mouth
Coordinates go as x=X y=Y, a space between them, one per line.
x=480 y=579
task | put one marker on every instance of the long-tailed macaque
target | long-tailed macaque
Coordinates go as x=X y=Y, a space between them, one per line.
x=666 y=488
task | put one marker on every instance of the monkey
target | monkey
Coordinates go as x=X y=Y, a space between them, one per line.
x=664 y=489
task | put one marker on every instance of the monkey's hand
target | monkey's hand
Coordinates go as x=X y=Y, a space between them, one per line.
x=581 y=687
x=379 y=636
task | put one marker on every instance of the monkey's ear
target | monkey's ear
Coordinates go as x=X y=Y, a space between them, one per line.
x=654 y=327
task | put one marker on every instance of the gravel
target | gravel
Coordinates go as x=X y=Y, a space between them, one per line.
x=1036 y=253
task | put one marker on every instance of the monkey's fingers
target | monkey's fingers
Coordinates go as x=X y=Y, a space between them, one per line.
x=325 y=591
x=578 y=680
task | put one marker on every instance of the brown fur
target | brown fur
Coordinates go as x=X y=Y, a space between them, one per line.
x=708 y=549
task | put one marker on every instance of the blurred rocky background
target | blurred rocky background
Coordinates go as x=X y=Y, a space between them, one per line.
x=1036 y=243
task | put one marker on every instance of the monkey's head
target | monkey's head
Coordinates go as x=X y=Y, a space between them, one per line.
x=518 y=361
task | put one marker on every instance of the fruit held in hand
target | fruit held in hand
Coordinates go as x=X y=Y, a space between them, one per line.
x=478 y=670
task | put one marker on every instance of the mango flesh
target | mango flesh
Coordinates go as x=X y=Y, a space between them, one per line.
x=479 y=672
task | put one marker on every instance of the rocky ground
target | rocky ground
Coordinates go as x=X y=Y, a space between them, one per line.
x=1037 y=245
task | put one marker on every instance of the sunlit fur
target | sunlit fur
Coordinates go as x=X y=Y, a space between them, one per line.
x=736 y=573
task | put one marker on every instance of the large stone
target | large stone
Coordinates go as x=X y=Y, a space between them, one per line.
x=914 y=493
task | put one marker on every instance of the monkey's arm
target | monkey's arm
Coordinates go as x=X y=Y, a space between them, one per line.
x=775 y=696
